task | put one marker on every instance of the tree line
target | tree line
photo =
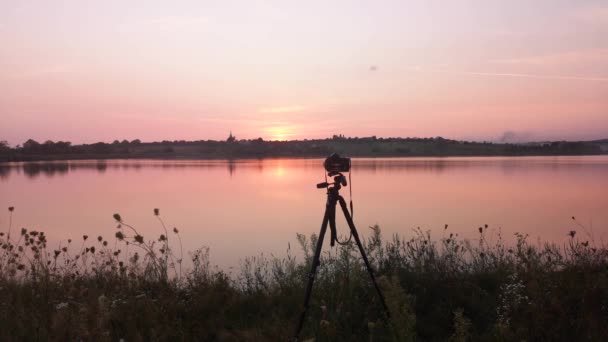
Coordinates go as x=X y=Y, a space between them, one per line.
x=258 y=148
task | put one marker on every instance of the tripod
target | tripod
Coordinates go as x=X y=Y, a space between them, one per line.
x=333 y=198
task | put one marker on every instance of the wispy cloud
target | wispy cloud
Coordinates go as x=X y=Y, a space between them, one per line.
x=169 y=24
x=42 y=71
x=561 y=59
x=504 y=74
x=282 y=109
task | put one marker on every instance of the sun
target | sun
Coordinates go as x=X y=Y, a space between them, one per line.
x=280 y=132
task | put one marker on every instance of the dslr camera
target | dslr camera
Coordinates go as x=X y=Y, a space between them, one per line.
x=336 y=164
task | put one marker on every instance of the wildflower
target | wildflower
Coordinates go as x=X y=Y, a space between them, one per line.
x=120 y=236
x=11 y=209
x=61 y=305
x=99 y=238
x=156 y=211
x=21 y=267
x=117 y=217
x=139 y=238
x=69 y=240
x=105 y=243
x=84 y=237
x=57 y=253
x=572 y=233
x=92 y=249
x=175 y=230
x=64 y=249
x=480 y=230
x=33 y=233
x=23 y=231
x=446 y=227
x=162 y=237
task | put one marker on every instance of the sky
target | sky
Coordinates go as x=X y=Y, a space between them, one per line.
x=518 y=70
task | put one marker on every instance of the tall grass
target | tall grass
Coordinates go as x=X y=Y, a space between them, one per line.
x=134 y=288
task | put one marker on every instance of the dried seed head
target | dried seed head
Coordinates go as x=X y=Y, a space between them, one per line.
x=117 y=217
x=120 y=236
x=99 y=238
x=11 y=209
x=156 y=211
x=84 y=237
x=175 y=230
x=139 y=238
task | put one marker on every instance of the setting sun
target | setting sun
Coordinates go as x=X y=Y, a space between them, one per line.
x=279 y=132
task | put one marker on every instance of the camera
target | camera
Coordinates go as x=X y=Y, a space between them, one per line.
x=336 y=164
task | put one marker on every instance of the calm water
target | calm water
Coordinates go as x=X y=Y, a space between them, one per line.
x=247 y=207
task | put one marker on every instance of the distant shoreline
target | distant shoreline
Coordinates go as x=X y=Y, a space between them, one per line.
x=233 y=149
x=177 y=158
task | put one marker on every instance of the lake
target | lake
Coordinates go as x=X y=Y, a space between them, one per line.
x=246 y=207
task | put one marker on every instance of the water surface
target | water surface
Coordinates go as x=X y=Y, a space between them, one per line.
x=246 y=207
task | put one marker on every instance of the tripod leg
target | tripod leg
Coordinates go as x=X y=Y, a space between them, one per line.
x=353 y=230
x=332 y=225
x=313 y=270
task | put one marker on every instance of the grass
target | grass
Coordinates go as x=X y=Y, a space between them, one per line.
x=134 y=288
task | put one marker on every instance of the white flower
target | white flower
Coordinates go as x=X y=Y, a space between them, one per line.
x=61 y=305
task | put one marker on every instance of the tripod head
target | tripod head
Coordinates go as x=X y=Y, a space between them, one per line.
x=339 y=181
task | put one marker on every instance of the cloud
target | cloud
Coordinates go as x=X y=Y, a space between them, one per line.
x=169 y=24
x=586 y=57
x=515 y=137
x=507 y=74
x=283 y=109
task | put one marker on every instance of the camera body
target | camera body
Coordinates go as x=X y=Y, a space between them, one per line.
x=337 y=164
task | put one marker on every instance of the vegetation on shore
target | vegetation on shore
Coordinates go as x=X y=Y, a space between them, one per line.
x=135 y=288
x=32 y=150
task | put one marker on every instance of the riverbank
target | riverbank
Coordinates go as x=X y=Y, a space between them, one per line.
x=236 y=149
x=133 y=287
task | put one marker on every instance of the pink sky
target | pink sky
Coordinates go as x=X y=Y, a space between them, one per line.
x=88 y=71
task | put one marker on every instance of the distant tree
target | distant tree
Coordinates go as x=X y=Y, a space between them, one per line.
x=4 y=146
x=124 y=142
x=136 y=142
x=30 y=143
x=115 y=142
